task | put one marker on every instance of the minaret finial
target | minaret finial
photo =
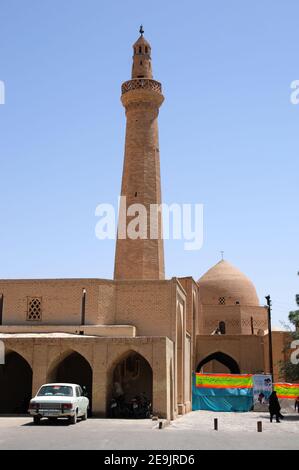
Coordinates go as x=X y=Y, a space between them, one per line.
x=141 y=30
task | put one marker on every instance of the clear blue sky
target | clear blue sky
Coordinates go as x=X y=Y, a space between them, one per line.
x=228 y=133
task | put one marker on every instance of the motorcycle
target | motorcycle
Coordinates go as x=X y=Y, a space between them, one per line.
x=140 y=407
x=118 y=409
x=114 y=410
x=134 y=408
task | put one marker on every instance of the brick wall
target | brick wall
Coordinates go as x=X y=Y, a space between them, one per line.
x=146 y=304
x=61 y=300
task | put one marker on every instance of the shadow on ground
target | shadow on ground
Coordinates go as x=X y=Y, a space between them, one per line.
x=49 y=422
x=286 y=417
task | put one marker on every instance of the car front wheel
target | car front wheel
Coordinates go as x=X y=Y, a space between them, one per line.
x=36 y=419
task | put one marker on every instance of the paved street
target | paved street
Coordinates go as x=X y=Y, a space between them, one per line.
x=193 y=431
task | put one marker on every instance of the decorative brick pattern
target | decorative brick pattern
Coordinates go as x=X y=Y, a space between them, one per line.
x=34 y=309
x=145 y=83
x=262 y=324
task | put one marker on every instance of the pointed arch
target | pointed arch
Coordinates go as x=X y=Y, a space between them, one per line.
x=129 y=375
x=15 y=384
x=223 y=358
x=72 y=367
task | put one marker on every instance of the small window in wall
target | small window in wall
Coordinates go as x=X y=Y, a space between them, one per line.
x=222 y=328
x=146 y=49
x=221 y=301
x=140 y=50
x=34 y=308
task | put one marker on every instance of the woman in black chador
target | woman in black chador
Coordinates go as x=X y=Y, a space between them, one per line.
x=274 y=407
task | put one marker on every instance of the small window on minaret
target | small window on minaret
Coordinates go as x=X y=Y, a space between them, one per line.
x=136 y=194
x=146 y=49
x=141 y=62
x=140 y=50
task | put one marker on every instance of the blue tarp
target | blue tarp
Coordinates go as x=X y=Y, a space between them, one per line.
x=222 y=399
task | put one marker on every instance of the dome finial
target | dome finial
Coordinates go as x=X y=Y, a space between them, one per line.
x=141 y=30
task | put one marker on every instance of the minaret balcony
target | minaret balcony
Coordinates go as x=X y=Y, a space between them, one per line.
x=141 y=83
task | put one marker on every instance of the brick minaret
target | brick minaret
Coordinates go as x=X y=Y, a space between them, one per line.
x=141 y=258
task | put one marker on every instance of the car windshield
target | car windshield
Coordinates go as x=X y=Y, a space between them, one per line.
x=55 y=390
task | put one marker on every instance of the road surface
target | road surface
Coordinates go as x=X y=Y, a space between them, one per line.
x=192 y=431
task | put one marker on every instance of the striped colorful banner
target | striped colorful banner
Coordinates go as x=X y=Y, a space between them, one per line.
x=285 y=390
x=223 y=381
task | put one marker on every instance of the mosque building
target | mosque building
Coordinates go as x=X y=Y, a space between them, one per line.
x=140 y=330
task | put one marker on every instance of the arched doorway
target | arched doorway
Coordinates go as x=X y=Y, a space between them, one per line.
x=218 y=362
x=15 y=384
x=132 y=375
x=74 y=368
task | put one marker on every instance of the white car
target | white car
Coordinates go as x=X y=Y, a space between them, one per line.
x=59 y=400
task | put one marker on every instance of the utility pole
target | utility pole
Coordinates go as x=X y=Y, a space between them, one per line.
x=268 y=298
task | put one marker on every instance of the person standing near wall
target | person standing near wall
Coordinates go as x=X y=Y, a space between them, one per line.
x=274 y=407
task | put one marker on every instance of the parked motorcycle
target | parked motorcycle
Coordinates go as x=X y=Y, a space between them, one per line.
x=140 y=407
x=118 y=409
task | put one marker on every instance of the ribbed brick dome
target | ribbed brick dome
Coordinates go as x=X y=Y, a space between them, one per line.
x=224 y=284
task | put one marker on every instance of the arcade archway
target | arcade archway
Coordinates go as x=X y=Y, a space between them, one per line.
x=132 y=375
x=15 y=384
x=218 y=362
x=74 y=368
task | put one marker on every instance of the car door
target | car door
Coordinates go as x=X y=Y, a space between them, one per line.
x=85 y=401
x=79 y=400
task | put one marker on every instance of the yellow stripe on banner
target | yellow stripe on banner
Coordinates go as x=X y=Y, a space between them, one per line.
x=224 y=380
x=286 y=390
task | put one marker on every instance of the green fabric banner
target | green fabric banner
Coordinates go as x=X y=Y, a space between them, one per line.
x=285 y=390
x=223 y=381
